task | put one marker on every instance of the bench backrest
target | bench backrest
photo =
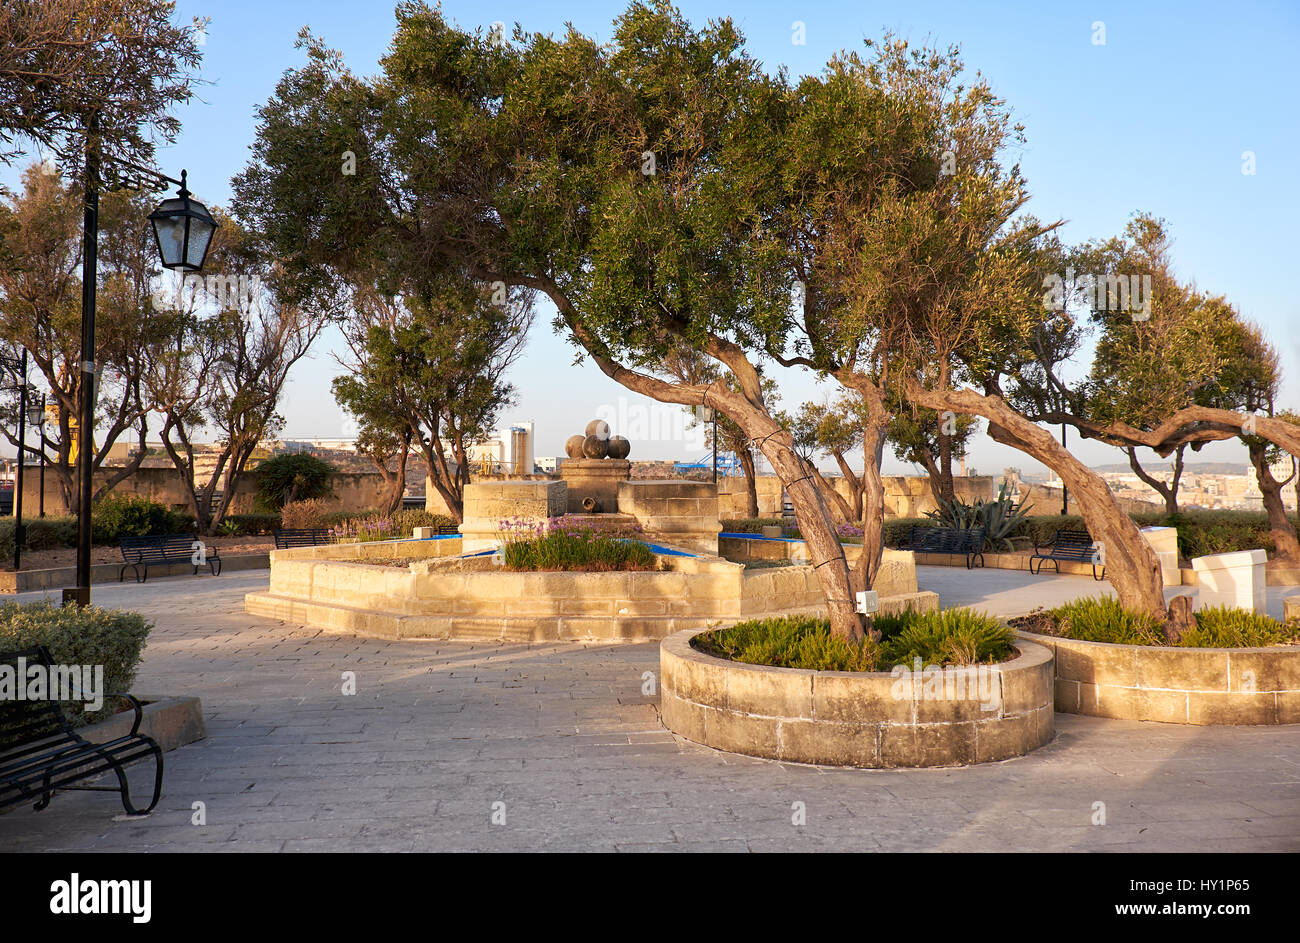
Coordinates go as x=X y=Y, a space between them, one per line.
x=1072 y=540
x=158 y=546
x=25 y=725
x=956 y=540
x=287 y=537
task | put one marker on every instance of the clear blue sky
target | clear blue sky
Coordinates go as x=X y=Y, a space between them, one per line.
x=1156 y=119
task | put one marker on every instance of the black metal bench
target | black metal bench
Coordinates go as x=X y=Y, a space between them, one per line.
x=140 y=553
x=287 y=537
x=967 y=542
x=1071 y=546
x=40 y=752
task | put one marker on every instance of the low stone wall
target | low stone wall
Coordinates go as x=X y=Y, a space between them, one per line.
x=338 y=587
x=680 y=513
x=905 y=495
x=863 y=719
x=897 y=576
x=1202 y=686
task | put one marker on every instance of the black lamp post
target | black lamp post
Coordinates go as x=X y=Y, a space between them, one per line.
x=709 y=414
x=20 y=532
x=183 y=231
x=36 y=417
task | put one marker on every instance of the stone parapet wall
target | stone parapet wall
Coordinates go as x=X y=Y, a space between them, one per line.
x=905 y=495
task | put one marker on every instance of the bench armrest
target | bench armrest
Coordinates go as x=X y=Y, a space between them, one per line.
x=136 y=706
x=134 y=701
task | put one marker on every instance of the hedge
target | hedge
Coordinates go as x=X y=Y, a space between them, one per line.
x=1199 y=532
x=90 y=636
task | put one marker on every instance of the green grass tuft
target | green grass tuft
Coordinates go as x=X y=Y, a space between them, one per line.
x=950 y=637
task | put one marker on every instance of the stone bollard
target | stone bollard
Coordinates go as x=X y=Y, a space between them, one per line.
x=1291 y=608
x=1232 y=579
x=1164 y=541
x=424 y=533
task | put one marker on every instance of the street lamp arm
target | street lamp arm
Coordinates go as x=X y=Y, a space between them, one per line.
x=157 y=177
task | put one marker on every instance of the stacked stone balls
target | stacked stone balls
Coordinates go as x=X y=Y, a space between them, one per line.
x=597 y=443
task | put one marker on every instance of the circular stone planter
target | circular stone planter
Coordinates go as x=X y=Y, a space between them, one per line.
x=1204 y=686
x=952 y=717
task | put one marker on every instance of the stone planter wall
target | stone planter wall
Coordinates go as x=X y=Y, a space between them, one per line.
x=338 y=587
x=1204 y=686
x=839 y=718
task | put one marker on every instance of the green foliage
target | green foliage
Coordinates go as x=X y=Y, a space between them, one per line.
x=297 y=476
x=749 y=525
x=949 y=637
x=1205 y=532
x=406 y=521
x=248 y=525
x=117 y=516
x=895 y=529
x=946 y=637
x=578 y=550
x=1224 y=627
x=1000 y=517
x=1103 y=619
x=788 y=642
x=43 y=533
x=91 y=636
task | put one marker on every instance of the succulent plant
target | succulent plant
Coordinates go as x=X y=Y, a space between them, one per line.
x=999 y=517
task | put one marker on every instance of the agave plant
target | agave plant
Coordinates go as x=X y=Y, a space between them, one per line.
x=999 y=517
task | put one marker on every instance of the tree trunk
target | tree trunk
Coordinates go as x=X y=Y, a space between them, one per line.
x=873 y=505
x=751 y=481
x=855 y=485
x=1132 y=567
x=1167 y=491
x=834 y=500
x=945 y=467
x=1286 y=548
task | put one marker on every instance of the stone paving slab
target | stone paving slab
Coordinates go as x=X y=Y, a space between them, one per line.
x=563 y=736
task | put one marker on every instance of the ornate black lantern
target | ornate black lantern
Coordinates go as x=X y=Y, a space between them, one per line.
x=183 y=228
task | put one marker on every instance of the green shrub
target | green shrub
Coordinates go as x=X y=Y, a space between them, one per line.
x=576 y=547
x=309 y=512
x=91 y=636
x=895 y=529
x=117 y=516
x=248 y=525
x=297 y=476
x=1103 y=619
x=405 y=521
x=788 y=642
x=43 y=533
x=949 y=637
x=749 y=525
x=1223 y=627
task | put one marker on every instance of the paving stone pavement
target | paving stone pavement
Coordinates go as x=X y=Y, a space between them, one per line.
x=563 y=736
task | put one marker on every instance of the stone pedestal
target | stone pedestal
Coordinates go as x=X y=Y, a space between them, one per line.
x=1291 y=608
x=597 y=478
x=1232 y=579
x=1164 y=541
x=677 y=513
x=489 y=504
